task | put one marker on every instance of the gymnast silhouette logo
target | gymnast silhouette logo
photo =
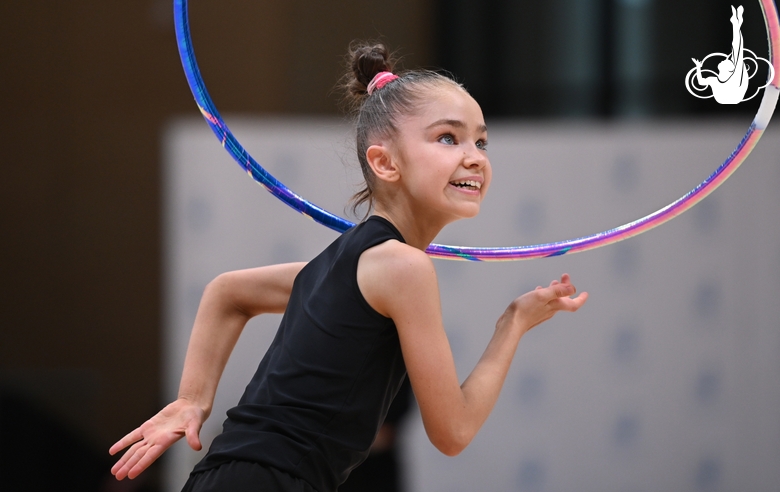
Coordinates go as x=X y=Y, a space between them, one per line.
x=730 y=84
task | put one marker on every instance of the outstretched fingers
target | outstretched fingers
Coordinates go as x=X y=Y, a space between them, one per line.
x=561 y=288
x=130 y=468
x=128 y=460
x=142 y=454
x=129 y=439
x=560 y=295
x=139 y=461
x=179 y=419
x=125 y=463
x=148 y=456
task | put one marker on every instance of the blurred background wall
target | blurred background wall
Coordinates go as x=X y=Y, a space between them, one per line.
x=88 y=88
x=666 y=380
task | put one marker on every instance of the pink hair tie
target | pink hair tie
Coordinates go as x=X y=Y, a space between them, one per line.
x=379 y=81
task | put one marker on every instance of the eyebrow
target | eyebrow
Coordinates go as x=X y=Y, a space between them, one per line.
x=455 y=123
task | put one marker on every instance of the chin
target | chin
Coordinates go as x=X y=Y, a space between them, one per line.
x=468 y=213
x=472 y=214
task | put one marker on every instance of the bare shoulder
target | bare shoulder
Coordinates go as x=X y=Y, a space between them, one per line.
x=391 y=271
x=395 y=259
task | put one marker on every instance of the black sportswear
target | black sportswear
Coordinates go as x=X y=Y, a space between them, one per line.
x=316 y=402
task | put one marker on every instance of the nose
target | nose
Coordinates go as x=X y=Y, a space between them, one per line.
x=474 y=158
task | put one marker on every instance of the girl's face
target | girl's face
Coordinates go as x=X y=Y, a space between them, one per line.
x=441 y=155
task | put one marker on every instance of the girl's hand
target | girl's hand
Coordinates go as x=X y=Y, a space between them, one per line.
x=541 y=304
x=179 y=419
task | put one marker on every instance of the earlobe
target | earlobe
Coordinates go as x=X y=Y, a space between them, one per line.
x=382 y=163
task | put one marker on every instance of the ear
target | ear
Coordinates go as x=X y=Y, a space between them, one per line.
x=382 y=163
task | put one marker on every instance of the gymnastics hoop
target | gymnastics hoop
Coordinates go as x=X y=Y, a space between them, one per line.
x=631 y=229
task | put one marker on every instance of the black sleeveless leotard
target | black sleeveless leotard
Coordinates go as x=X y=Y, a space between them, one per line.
x=321 y=392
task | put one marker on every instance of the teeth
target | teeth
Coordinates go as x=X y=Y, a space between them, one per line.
x=468 y=183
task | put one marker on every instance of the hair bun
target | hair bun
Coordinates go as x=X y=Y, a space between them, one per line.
x=365 y=61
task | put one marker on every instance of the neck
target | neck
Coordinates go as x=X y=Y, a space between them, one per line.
x=416 y=232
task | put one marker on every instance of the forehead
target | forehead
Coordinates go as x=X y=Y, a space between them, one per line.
x=447 y=102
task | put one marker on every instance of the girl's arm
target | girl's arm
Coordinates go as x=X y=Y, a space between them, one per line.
x=400 y=282
x=228 y=302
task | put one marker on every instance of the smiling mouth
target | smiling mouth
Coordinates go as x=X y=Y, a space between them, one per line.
x=467 y=184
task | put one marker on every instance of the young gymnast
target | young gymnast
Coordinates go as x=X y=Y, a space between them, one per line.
x=357 y=318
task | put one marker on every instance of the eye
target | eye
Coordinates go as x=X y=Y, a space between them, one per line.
x=482 y=144
x=447 y=139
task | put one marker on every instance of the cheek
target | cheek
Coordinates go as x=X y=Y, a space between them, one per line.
x=488 y=174
x=432 y=174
